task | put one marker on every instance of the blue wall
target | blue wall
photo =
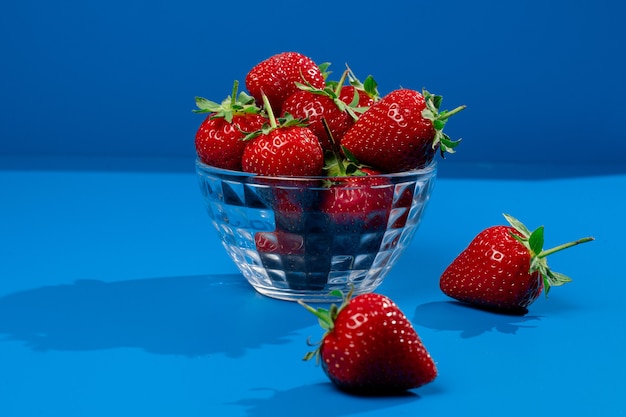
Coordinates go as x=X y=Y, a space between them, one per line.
x=543 y=80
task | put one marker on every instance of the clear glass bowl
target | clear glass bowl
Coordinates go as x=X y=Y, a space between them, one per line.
x=290 y=244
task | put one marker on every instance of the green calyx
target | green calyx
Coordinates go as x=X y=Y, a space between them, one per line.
x=369 y=86
x=274 y=122
x=333 y=90
x=326 y=319
x=439 y=119
x=233 y=105
x=533 y=241
x=339 y=162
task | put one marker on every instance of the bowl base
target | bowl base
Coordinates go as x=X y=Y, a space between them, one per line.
x=311 y=296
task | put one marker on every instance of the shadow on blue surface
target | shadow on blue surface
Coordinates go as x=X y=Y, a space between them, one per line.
x=173 y=316
x=468 y=321
x=298 y=402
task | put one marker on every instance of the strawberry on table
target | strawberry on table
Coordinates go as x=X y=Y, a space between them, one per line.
x=219 y=139
x=400 y=132
x=370 y=347
x=504 y=268
x=276 y=77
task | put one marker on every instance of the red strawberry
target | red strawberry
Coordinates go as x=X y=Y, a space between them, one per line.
x=276 y=77
x=337 y=104
x=400 y=132
x=503 y=268
x=313 y=107
x=363 y=99
x=358 y=202
x=284 y=148
x=219 y=138
x=367 y=90
x=370 y=347
x=358 y=199
x=289 y=151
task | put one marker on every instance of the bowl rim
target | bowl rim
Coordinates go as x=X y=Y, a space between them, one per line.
x=428 y=170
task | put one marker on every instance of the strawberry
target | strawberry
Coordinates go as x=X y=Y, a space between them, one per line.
x=400 y=132
x=313 y=107
x=219 y=138
x=337 y=104
x=285 y=147
x=370 y=347
x=504 y=268
x=363 y=100
x=358 y=202
x=367 y=91
x=276 y=77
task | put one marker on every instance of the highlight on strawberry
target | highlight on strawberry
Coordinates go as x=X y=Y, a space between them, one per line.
x=504 y=268
x=370 y=347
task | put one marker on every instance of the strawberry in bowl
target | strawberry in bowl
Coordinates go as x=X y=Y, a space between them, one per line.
x=309 y=208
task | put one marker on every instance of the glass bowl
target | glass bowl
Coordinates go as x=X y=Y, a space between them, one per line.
x=292 y=243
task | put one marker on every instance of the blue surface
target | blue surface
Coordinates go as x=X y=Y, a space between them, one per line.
x=117 y=299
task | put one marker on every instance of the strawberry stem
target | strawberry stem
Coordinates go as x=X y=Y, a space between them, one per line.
x=558 y=248
x=446 y=114
x=270 y=113
x=324 y=316
x=233 y=96
x=340 y=83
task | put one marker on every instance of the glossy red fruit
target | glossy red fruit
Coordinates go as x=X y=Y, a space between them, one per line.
x=219 y=139
x=284 y=147
x=332 y=110
x=358 y=202
x=276 y=77
x=285 y=151
x=219 y=143
x=400 y=132
x=312 y=108
x=371 y=348
x=363 y=99
x=504 y=268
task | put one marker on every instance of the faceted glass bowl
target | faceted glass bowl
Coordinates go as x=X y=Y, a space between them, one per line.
x=277 y=232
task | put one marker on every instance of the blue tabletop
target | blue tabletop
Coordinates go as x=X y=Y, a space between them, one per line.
x=117 y=299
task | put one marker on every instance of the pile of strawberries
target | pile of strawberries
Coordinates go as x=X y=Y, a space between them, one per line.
x=345 y=129
x=294 y=117
x=295 y=122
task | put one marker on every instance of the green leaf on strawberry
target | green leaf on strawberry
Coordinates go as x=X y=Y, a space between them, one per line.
x=439 y=119
x=534 y=241
x=369 y=86
x=232 y=105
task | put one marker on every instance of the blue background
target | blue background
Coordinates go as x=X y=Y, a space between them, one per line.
x=117 y=298
x=543 y=80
